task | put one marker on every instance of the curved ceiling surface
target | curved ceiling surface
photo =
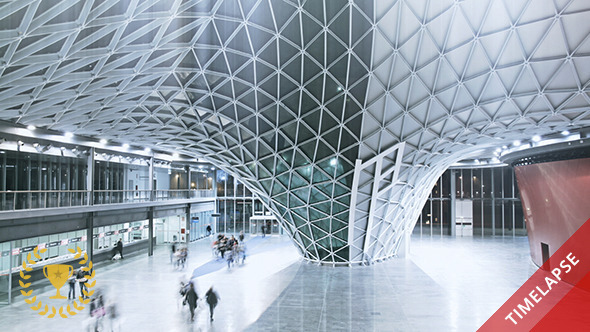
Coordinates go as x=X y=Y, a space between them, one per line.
x=288 y=95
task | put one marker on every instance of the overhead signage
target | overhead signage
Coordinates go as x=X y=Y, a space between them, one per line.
x=28 y=248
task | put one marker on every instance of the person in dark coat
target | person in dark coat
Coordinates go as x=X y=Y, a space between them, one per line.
x=120 y=247
x=209 y=230
x=212 y=299
x=173 y=251
x=191 y=299
x=81 y=278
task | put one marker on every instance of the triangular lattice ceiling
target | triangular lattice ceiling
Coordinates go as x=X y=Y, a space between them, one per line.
x=288 y=94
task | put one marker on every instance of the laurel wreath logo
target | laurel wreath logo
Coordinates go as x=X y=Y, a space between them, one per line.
x=39 y=304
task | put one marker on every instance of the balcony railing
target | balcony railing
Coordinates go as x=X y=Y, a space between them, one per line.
x=41 y=199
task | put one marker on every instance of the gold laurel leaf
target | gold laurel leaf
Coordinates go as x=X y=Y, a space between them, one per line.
x=24 y=265
x=26 y=293
x=61 y=313
x=26 y=276
x=76 y=306
x=42 y=251
x=38 y=306
x=89 y=294
x=86 y=301
x=77 y=256
x=72 y=250
x=23 y=285
x=85 y=256
x=91 y=284
x=82 y=262
x=52 y=312
x=31 y=300
x=71 y=312
x=89 y=265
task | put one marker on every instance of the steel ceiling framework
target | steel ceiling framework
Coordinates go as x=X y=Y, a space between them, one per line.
x=288 y=95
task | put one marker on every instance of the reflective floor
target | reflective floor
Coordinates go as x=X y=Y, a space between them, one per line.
x=446 y=285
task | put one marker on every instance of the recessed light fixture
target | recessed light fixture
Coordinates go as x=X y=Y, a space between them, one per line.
x=31 y=127
x=212 y=168
x=63 y=148
x=68 y=135
x=476 y=161
x=125 y=146
x=147 y=150
x=498 y=150
x=516 y=143
x=536 y=138
x=565 y=132
x=175 y=155
x=504 y=147
x=103 y=141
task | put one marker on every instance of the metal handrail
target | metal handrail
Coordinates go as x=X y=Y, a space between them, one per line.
x=40 y=199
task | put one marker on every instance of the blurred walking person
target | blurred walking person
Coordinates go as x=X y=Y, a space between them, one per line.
x=113 y=316
x=191 y=298
x=212 y=298
x=173 y=251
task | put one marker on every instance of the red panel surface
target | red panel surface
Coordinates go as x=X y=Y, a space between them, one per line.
x=556 y=201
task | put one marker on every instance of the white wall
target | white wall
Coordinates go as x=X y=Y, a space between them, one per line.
x=162 y=177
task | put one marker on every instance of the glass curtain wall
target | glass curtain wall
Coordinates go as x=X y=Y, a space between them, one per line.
x=32 y=173
x=493 y=192
x=236 y=204
x=435 y=218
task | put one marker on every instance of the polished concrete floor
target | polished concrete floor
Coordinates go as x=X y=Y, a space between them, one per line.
x=448 y=284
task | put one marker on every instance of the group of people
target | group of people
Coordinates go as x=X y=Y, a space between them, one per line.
x=231 y=248
x=190 y=298
x=178 y=256
x=99 y=311
x=78 y=276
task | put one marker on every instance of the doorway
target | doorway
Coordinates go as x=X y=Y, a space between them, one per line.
x=464 y=217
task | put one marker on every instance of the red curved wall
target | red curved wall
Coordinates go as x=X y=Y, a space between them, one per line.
x=556 y=201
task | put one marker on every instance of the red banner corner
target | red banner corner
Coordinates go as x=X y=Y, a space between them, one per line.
x=556 y=297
